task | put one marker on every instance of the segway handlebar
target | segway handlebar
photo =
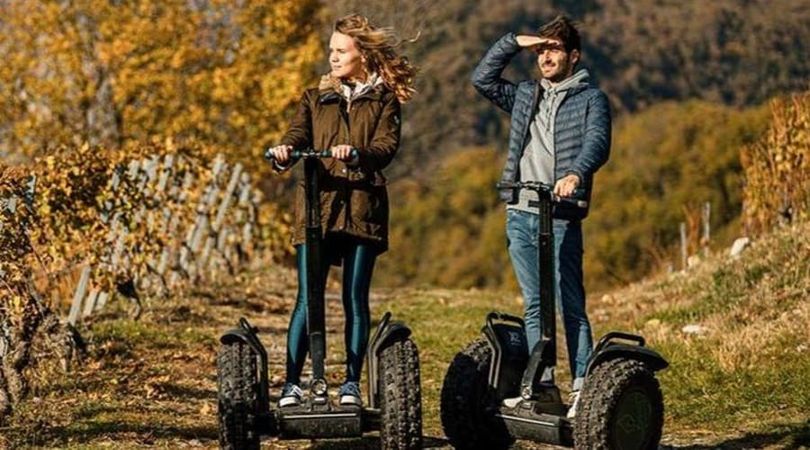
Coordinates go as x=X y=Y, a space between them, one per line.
x=307 y=153
x=539 y=188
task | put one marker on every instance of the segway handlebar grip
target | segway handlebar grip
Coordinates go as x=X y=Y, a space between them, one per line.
x=541 y=187
x=533 y=185
x=297 y=154
x=571 y=201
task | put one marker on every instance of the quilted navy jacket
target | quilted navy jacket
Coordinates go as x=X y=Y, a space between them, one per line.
x=582 y=125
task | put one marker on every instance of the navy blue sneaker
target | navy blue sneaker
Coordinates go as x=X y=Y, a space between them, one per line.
x=291 y=395
x=350 y=394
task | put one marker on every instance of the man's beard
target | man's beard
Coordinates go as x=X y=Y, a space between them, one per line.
x=561 y=74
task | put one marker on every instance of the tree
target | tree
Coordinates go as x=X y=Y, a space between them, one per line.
x=110 y=72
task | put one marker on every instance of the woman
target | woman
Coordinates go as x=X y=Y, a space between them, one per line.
x=357 y=105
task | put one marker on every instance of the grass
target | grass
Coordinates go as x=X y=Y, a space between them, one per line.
x=748 y=368
x=443 y=323
x=743 y=381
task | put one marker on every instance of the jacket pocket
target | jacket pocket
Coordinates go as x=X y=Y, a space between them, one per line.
x=369 y=209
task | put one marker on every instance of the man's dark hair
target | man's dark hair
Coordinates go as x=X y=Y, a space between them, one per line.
x=563 y=29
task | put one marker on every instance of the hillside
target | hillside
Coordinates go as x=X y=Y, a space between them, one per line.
x=739 y=381
x=736 y=334
x=665 y=162
x=640 y=52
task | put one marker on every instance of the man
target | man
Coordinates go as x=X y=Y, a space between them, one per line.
x=560 y=135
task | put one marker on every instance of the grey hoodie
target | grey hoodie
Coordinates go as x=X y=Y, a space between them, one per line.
x=537 y=162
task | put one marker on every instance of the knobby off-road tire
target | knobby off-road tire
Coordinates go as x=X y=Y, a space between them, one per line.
x=400 y=397
x=621 y=408
x=466 y=398
x=237 y=397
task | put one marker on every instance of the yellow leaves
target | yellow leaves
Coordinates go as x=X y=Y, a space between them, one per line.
x=80 y=216
x=16 y=247
x=777 y=167
x=115 y=51
x=176 y=68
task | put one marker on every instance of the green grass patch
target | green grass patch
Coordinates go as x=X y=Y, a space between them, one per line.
x=747 y=371
x=698 y=391
x=146 y=333
x=724 y=291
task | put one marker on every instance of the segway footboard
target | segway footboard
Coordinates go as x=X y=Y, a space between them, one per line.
x=310 y=421
x=531 y=424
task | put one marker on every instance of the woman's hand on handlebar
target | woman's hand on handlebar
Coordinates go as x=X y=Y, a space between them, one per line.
x=566 y=186
x=281 y=153
x=342 y=152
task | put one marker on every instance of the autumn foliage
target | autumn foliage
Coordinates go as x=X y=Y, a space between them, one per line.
x=16 y=246
x=22 y=312
x=154 y=217
x=108 y=73
x=89 y=91
x=777 y=168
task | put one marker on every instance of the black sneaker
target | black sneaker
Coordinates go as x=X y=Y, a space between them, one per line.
x=291 y=395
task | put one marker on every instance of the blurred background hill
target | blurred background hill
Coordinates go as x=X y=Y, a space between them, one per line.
x=736 y=53
x=688 y=84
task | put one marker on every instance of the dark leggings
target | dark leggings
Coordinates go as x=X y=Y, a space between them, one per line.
x=358 y=264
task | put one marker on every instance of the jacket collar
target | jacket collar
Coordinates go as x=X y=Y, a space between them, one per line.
x=329 y=91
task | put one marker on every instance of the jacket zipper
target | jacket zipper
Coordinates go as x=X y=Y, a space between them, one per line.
x=347 y=205
x=535 y=102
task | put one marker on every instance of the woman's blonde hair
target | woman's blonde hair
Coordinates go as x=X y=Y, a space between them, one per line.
x=377 y=45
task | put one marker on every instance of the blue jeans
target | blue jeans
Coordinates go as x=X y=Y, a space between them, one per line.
x=521 y=235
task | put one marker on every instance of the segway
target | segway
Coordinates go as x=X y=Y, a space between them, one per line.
x=620 y=405
x=394 y=405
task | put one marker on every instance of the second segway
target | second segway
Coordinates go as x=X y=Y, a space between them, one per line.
x=495 y=391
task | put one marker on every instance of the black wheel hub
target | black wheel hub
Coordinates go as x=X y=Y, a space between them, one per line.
x=633 y=421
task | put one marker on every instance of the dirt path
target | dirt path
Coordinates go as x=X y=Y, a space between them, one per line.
x=152 y=382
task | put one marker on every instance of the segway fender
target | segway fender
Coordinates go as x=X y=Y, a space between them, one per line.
x=235 y=335
x=387 y=333
x=650 y=357
x=394 y=332
x=247 y=334
x=507 y=339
